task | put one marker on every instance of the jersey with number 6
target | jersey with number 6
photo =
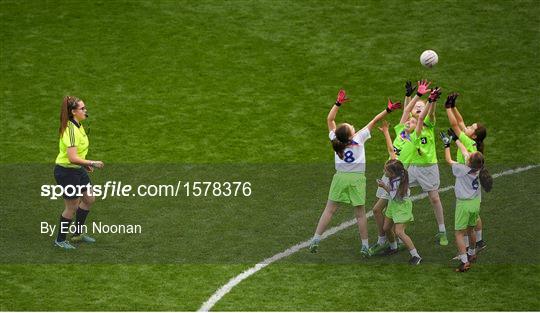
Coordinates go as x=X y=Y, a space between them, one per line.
x=467 y=182
x=354 y=157
x=425 y=145
x=403 y=145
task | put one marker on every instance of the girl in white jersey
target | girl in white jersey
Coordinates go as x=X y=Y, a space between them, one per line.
x=399 y=211
x=469 y=177
x=349 y=182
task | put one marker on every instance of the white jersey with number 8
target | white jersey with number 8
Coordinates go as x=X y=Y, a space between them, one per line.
x=354 y=156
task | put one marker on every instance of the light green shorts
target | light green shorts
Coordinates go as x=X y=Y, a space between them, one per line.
x=467 y=213
x=348 y=187
x=400 y=211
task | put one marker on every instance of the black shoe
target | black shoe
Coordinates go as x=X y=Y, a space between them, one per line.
x=389 y=251
x=463 y=267
x=471 y=258
x=415 y=260
x=480 y=245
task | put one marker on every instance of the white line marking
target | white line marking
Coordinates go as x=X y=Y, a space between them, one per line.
x=207 y=306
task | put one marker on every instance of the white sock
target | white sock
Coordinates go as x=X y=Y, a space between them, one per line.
x=381 y=240
x=471 y=251
x=464 y=258
x=413 y=252
x=478 y=235
x=466 y=240
x=399 y=240
x=365 y=243
x=442 y=229
x=393 y=245
x=316 y=237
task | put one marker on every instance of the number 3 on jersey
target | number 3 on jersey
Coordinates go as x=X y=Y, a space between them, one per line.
x=349 y=158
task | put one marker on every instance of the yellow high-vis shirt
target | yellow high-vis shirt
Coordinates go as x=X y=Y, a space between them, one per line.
x=73 y=136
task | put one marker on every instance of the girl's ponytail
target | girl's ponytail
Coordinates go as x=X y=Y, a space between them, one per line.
x=339 y=147
x=342 y=140
x=476 y=162
x=486 y=180
x=404 y=184
x=481 y=133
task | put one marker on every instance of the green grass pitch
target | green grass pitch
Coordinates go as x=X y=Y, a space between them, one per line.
x=215 y=90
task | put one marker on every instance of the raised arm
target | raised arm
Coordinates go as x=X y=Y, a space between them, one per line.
x=463 y=149
x=331 y=119
x=447 y=139
x=409 y=90
x=388 y=140
x=432 y=113
x=451 y=102
x=422 y=89
x=390 y=107
x=433 y=96
x=459 y=119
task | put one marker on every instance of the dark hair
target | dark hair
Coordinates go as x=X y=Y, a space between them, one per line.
x=396 y=168
x=481 y=133
x=343 y=133
x=68 y=105
x=476 y=162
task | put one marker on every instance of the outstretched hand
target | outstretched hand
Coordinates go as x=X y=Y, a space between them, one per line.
x=409 y=89
x=423 y=87
x=446 y=139
x=341 y=97
x=434 y=95
x=451 y=100
x=391 y=106
x=384 y=126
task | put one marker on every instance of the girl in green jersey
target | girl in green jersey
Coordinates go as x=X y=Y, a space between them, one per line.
x=403 y=148
x=472 y=137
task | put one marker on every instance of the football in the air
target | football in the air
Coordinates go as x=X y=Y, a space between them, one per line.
x=429 y=58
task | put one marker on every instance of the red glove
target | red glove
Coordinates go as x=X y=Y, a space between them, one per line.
x=434 y=95
x=341 y=97
x=392 y=106
x=422 y=87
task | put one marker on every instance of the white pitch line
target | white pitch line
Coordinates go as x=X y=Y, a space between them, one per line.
x=221 y=292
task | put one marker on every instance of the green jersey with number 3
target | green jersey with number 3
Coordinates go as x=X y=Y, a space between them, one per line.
x=469 y=143
x=425 y=144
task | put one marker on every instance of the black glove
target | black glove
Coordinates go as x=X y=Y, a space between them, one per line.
x=451 y=100
x=409 y=89
x=446 y=139
x=451 y=133
x=434 y=95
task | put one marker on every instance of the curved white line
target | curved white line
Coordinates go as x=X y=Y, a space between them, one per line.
x=207 y=306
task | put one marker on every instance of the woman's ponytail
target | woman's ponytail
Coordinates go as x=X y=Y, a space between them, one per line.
x=68 y=104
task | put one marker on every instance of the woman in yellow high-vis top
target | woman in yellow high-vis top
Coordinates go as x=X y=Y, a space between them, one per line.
x=71 y=171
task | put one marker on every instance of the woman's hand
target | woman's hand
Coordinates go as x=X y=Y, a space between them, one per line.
x=97 y=164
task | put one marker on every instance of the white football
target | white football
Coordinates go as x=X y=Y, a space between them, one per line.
x=429 y=58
